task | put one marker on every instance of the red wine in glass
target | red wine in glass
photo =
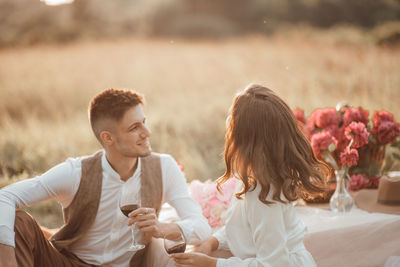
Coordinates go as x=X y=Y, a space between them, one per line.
x=180 y=248
x=128 y=209
x=174 y=243
x=129 y=202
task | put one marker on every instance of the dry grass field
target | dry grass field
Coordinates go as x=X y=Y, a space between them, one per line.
x=189 y=85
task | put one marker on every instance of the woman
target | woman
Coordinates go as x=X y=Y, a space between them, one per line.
x=264 y=149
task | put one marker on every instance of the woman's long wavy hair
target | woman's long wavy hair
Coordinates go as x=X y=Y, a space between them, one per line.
x=264 y=145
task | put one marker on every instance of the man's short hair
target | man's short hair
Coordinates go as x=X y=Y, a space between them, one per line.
x=111 y=105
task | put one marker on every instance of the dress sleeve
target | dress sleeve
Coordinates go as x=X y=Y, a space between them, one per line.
x=268 y=233
x=192 y=222
x=56 y=184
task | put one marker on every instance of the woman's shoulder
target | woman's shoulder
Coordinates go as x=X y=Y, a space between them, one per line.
x=253 y=201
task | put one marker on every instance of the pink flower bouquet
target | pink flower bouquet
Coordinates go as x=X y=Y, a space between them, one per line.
x=346 y=139
x=213 y=203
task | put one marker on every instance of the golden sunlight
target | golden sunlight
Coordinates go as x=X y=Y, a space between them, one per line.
x=56 y=2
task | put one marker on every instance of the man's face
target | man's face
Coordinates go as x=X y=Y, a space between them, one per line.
x=132 y=135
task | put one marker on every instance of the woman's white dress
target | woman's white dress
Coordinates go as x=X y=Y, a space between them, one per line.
x=263 y=235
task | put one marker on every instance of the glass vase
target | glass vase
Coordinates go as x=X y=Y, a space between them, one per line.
x=341 y=201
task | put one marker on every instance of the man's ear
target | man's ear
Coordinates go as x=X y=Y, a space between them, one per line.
x=106 y=138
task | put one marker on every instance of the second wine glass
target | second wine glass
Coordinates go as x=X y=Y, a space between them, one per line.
x=174 y=243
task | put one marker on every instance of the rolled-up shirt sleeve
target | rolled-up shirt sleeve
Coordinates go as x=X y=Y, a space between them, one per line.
x=192 y=222
x=59 y=183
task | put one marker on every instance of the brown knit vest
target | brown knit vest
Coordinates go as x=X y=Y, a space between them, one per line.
x=81 y=213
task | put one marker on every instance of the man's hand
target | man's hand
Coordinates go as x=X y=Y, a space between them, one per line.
x=7 y=256
x=147 y=221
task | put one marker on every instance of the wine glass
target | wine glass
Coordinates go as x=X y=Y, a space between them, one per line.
x=128 y=203
x=174 y=243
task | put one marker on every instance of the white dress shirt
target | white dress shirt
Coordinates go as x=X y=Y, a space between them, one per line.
x=106 y=242
x=263 y=235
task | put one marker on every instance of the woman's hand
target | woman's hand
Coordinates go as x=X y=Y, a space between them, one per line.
x=207 y=246
x=193 y=259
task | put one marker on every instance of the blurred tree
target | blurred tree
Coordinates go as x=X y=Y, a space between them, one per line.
x=26 y=21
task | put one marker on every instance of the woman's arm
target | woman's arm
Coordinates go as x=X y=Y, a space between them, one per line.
x=268 y=232
x=269 y=237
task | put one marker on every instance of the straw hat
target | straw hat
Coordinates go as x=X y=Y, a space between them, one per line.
x=384 y=200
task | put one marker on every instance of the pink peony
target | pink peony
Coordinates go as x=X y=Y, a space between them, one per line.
x=299 y=114
x=357 y=182
x=212 y=202
x=320 y=141
x=386 y=131
x=228 y=189
x=206 y=211
x=355 y=114
x=324 y=118
x=215 y=222
x=196 y=190
x=358 y=132
x=349 y=157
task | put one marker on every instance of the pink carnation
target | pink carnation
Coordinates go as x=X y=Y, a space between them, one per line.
x=386 y=131
x=381 y=116
x=310 y=122
x=349 y=157
x=301 y=123
x=385 y=127
x=358 y=132
x=373 y=182
x=355 y=114
x=357 y=182
x=299 y=114
x=339 y=134
x=320 y=141
x=324 y=118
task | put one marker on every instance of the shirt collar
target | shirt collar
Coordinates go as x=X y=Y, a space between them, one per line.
x=112 y=174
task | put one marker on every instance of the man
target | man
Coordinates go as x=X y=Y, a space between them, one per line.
x=89 y=188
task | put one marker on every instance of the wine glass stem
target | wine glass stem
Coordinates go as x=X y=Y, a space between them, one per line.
x=136 y=234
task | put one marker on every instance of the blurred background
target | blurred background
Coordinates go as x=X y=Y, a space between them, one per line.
x=188 y=57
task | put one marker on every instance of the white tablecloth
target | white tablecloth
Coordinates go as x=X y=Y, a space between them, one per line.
x=357 y=238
